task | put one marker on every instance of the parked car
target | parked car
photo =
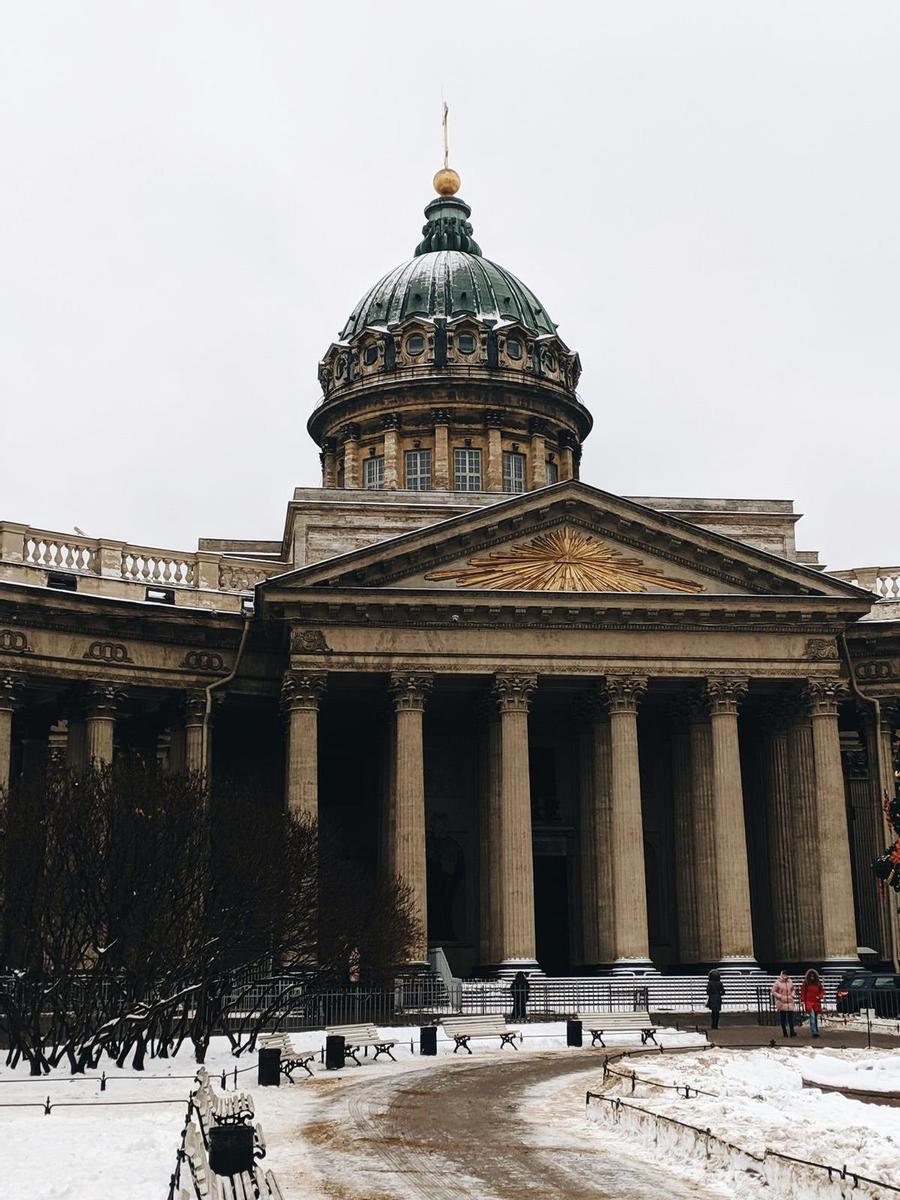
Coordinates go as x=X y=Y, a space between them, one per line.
x=869 y=989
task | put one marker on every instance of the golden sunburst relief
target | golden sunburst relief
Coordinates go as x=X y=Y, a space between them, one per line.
x=561 y=561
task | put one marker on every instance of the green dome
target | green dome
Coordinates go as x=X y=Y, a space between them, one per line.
x=448 y=278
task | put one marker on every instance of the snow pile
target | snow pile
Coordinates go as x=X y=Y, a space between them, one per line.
x=758 y=1102
x=81 y=1152
x=881 y=1074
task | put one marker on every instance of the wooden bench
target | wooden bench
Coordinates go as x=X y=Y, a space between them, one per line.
x=461 y=1029
x=598 y=1024
x=291 y=1057
x=209 y=1186
x=360 y=1037
x=229 y=1109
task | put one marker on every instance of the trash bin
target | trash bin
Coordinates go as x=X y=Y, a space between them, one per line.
x=573 y=1033
x=334 y=1052
x=269 y=1073
x=231 y=1149
x=428 y=1039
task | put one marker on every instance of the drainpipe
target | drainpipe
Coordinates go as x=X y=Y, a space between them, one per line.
x=248 y=617
x=879 y=763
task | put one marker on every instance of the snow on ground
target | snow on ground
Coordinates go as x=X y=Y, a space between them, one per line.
x=81 y=1151
x=759 y=1102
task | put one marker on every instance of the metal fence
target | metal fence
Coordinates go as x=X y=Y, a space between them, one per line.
x=555 y=997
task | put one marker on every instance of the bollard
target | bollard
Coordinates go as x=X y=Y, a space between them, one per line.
x=231 y=1149
x=428 y=1040
x=269 y=1071
x=573 y=1033
x=334 y=1052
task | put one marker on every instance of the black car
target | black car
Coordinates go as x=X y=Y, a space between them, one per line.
x=869 y=989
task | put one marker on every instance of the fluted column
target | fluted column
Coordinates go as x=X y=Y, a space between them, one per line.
x=10 y=691
x=835 y=881
x=408 y=808
x=732 y=868
x=632 y=949
x=301 y=692
x=493 y=478
x=595 y=765
x=490 y=834
x=537 y=427
x=329 y=467
x=683 y=836
x=391 y=422
x=781 y=834
x=703 y=831
x=194 y=716
x=879 y=832
x=807 y=886
x=350 y=436
x=513 y=855
x=102 y=702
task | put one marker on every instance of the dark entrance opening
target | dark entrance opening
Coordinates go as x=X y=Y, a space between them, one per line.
x=551 y=912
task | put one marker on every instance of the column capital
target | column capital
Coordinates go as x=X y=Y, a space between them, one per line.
x=725 y=695
x=390 y=420
x=776 y=717
x=822 y=696
x=440 y=416
x=680 y=714
x=623 y=693
x=349 y=433
x=194 y=706
x=513 y=692
x=493 y=418
x=410 y=691
x=11 y=688
x=303 y=689
x=102 y=701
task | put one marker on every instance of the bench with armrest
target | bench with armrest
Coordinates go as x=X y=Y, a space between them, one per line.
x=462 y=1029
x=291 y=1057
x=361 y=1037
x=235 y=1108
x=599 y=1023
x=209 y=1186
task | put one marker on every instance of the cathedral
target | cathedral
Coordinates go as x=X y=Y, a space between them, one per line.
x=592 y=733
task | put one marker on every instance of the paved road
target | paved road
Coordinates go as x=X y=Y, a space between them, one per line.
x=460 y=1133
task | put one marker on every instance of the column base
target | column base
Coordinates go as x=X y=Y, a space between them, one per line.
x=509 y=967
x=633 y=966
x=738 y=964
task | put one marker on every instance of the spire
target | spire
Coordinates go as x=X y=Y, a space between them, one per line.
x=448 y=226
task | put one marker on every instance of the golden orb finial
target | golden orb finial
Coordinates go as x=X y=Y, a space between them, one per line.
x=446 y=182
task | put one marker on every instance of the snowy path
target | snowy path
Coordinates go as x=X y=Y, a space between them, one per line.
x=494 y=1130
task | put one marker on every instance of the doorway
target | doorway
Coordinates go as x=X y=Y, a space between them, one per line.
x=551 y=913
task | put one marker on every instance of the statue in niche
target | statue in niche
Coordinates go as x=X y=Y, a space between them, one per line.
x=446 y=871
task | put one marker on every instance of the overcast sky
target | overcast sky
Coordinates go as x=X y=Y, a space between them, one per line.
x=705 y=196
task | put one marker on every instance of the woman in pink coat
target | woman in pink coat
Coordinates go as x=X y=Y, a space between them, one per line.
x=783 y=995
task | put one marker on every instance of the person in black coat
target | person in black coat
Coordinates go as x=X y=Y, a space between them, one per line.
x=715 y=990
x=519 y=989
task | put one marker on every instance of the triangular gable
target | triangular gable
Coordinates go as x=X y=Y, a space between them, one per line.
x=569 y=537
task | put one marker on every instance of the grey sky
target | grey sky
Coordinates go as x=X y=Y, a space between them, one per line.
x=706 y=197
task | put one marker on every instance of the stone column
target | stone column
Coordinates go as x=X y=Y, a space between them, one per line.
x=597 y=908
x=301 y=692
x=683 y=832
x=76 y=737
x=490 y=834
x=835 y=882
x=512 y=857
x=879 y=833
x=329 y=463
x=350 y=437
x=391 y=423
x=703 y=826
x=807 y=885
x=409 y=693
x=565 y=458
x=10 y=692
x=537 y=427
x=102 y=703
x=623 y=694
x=493 y=477
x=194 y=713
x=781 y=832
x=732 y=868
x=441 y=465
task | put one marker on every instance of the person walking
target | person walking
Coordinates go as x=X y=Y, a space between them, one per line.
x=783 y=995
x=812 y=994
x=519 y=989
x=715 y=990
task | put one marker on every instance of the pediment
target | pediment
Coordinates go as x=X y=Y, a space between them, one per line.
x=567 y=539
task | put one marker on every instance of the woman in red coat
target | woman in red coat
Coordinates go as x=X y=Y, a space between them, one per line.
x=811 y=996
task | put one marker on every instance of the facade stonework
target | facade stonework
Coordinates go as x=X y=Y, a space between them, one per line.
x=589 y=732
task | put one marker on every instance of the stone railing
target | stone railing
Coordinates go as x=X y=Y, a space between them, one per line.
x=883 y=581
x=104 y=558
